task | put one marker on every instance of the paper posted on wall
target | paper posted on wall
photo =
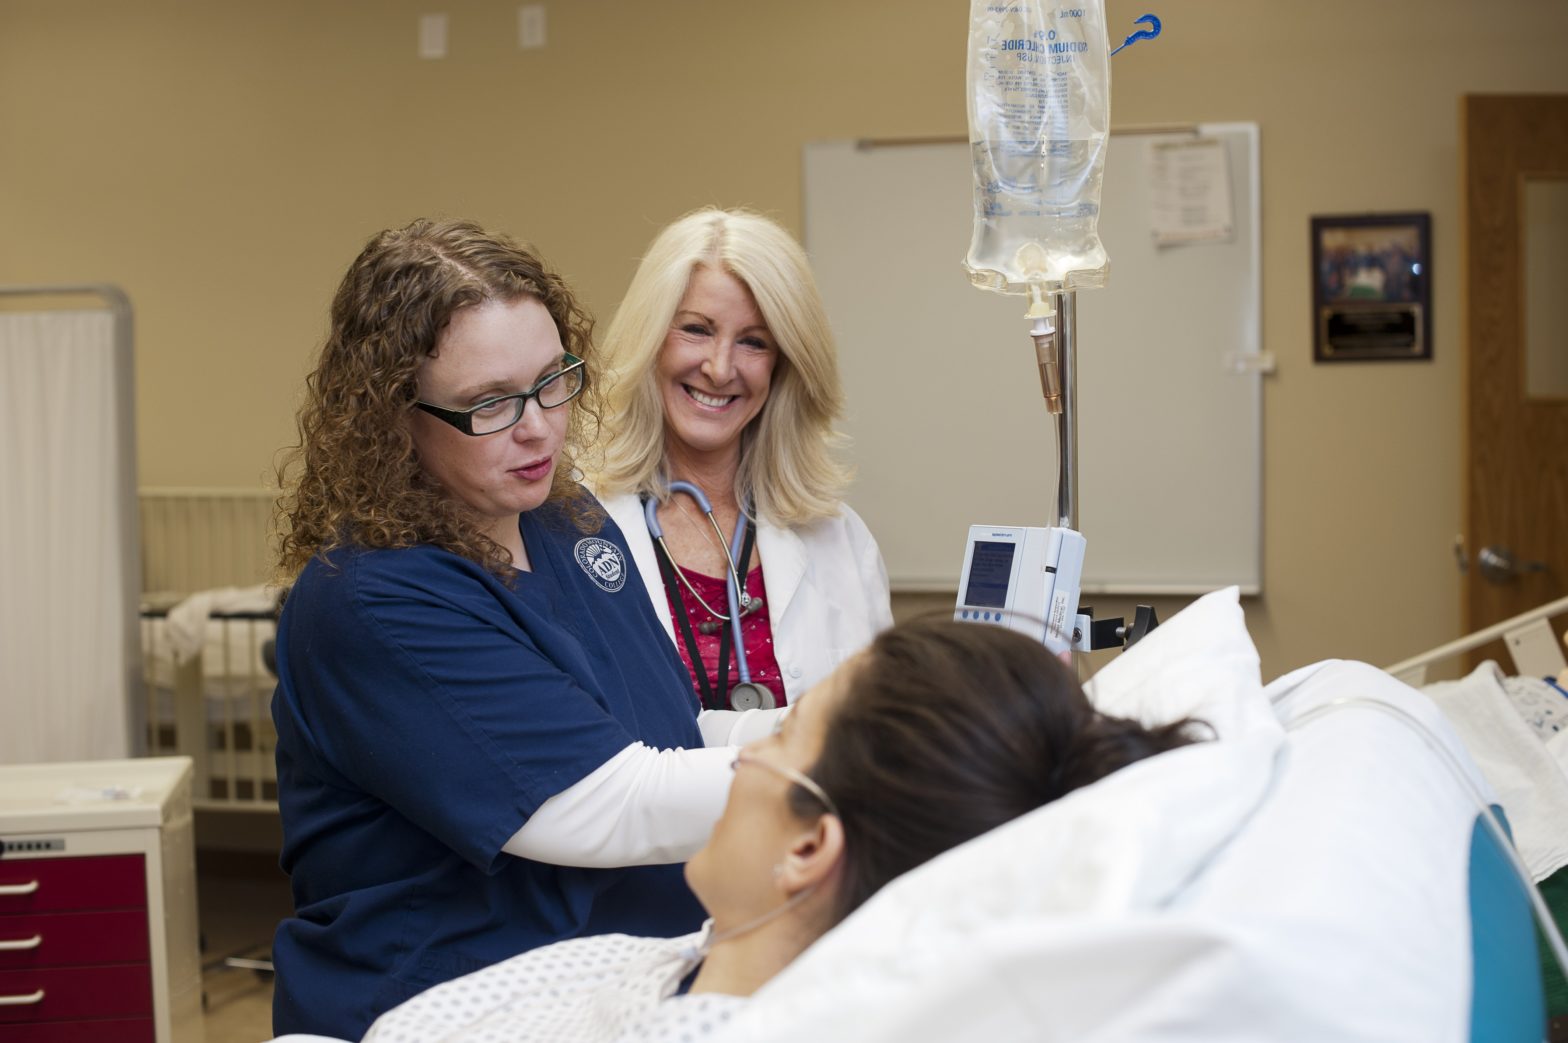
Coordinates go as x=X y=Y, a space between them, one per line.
x=1189 y=192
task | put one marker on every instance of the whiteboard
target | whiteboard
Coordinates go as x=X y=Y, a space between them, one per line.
x=944 y=410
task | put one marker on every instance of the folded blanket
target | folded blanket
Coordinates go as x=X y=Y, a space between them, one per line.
x=187 y=625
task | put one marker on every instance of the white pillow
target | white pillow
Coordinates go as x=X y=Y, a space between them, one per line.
x=1201 y=663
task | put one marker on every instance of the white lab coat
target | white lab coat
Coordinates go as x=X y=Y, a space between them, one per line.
x=824 y=585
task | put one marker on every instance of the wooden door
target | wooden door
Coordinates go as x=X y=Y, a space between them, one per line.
x=1515 y=154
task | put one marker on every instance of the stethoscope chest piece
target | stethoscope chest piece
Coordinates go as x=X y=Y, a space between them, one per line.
x=749 y=695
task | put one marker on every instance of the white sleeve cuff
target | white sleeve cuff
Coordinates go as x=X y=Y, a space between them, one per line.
x=641 y=807
x=738 y=727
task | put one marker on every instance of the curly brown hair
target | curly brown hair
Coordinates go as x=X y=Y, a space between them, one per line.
x=354 y=477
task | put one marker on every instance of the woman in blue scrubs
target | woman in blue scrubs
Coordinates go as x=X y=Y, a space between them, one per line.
x=486 y=741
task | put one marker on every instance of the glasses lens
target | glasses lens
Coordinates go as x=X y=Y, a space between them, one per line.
x=561 y=388
x=496 y=416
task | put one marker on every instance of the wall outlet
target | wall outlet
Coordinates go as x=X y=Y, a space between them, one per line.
x=530 y=26
x=432 y=36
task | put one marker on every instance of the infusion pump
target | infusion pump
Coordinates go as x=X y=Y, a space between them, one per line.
x=1020 y=577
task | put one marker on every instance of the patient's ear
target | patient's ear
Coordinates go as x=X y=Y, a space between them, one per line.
x=813 y=856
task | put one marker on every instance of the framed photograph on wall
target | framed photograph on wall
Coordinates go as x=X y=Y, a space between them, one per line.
x=1372 y=287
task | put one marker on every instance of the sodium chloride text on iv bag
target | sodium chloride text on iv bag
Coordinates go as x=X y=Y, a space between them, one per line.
x=1039 y=115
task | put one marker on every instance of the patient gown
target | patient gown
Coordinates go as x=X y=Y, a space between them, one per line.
x=607 y=989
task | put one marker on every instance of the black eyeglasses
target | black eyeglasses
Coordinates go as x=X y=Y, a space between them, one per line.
x=498 y=414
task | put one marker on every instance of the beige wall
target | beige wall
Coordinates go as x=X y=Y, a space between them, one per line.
x=223 y=162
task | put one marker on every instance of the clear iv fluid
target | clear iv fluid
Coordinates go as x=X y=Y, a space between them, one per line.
x=1024 y=236
x=1039 y=115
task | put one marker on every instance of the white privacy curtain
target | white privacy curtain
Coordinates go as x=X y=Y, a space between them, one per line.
x=68 y=653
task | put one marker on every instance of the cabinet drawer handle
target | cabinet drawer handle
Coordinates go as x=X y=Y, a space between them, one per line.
x=21 y=944
x=19 y=889
x=22 y=1001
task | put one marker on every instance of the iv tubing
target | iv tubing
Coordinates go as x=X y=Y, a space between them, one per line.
x=1043 y=332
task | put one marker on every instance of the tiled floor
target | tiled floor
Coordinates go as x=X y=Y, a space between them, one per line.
x=240 y=899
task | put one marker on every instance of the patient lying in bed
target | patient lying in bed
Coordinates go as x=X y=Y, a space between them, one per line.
x=1314 y=873
x=938 y=733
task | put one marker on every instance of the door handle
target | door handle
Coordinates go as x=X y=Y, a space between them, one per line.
x=1498 y=565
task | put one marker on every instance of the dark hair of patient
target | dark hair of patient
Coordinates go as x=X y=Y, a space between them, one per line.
x=949 y=730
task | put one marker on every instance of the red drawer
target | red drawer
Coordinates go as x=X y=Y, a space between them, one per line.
x=75 y=993
x=118 y=1030
x=43 y=885
x=68 y=939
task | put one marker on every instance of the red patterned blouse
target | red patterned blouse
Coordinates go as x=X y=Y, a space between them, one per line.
x=756 y=631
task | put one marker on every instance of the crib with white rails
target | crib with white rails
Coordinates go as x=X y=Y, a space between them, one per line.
x=212 y=706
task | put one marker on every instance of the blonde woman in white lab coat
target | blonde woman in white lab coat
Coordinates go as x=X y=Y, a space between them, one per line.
x=723 y=373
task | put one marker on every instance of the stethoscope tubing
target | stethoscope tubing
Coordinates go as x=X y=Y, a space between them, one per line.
x=735 y=596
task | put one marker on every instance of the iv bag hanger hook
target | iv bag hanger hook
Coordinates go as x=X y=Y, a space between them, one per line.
x=1152 y=21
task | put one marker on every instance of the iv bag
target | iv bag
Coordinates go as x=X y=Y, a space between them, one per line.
x=1039 y=114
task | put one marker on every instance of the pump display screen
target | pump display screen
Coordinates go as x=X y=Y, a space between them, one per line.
x=990 y=567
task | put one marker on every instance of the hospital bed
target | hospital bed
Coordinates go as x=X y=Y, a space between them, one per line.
x=1323 y=870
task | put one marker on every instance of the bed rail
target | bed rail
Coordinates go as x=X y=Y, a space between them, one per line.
x=1529 y=636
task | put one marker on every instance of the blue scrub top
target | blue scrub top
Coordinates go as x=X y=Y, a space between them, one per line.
x=424 y=711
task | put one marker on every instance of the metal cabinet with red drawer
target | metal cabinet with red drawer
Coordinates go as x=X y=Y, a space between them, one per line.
x=98 y=936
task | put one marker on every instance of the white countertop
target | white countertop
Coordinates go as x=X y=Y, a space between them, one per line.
x=120 y=794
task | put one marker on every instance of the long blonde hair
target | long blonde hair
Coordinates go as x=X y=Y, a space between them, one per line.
x=354 y=476
x=787 y=469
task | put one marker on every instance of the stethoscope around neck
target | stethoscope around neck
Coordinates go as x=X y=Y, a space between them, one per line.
x=747 y=694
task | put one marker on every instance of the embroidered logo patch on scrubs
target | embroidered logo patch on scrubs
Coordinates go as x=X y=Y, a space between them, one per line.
x=602 y=561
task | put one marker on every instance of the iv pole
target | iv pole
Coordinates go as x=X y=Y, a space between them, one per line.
x=1066 y=305
x=1056 y=349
